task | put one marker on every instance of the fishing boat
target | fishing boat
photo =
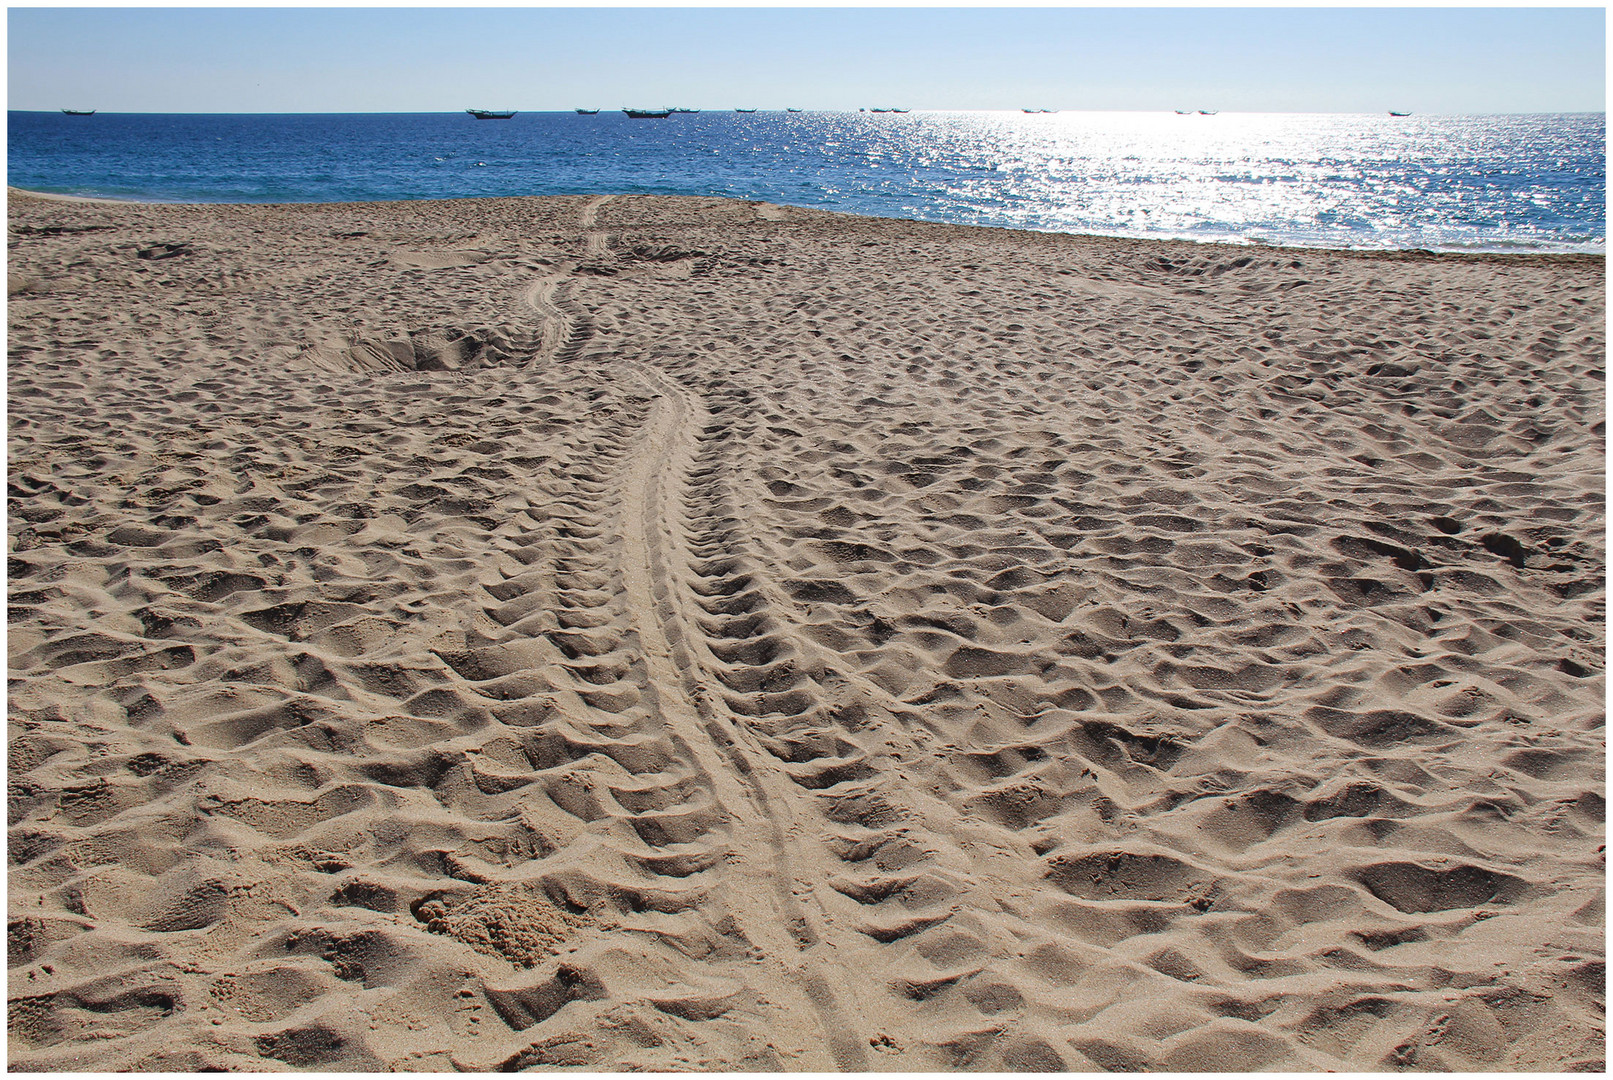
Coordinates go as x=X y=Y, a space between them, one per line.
x=744 y=110
x=792 y=110
x=1208 y=112
x=587 y=112
x=648 y=114
x=1184 y=112
x=491 y=114
x=79 y=112
x=1393 y=113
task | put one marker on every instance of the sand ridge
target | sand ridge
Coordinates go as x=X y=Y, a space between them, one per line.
x=632 y=632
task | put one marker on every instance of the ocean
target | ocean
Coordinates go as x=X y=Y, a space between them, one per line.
x=1472 y=183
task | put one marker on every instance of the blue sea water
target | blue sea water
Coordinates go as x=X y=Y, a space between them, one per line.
x=1501 y=183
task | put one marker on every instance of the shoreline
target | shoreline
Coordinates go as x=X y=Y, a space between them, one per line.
x=1391 y=254
x=642 y=633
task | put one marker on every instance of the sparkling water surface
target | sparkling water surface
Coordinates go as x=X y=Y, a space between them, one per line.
x=1494 y=183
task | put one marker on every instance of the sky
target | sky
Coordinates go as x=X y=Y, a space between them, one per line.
x=1430 y=60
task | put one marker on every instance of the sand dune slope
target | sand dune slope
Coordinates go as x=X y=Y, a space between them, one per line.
x=650 y=633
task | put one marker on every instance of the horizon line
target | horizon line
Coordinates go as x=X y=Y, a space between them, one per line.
x=571 y=110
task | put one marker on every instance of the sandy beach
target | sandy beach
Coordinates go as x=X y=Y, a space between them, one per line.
x=650 y=633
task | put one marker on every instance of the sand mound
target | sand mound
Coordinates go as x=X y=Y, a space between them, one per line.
x=646 y=633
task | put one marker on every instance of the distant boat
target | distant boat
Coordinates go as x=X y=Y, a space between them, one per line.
x=587 y=112
x=1208 y=112
x=792 y=110
x=744 y=110
x=648 y=114
x=1022 y=110
x=491 y=114
x=1184 y=112
x=1393 y=113
x=79 y=112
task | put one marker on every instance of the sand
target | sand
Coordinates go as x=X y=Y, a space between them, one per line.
x=677 y=633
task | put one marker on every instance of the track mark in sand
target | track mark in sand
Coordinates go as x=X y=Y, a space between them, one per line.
x=596 y=242
x=757 y=801
x=543 y=297
x=566 y=330
x=590 y=213
x=655 y=556
x=652 y=481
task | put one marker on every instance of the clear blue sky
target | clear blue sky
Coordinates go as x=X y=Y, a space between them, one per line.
x=1431 y=60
